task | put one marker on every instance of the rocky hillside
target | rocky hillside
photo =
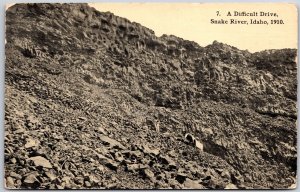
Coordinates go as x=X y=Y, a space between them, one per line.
x=93 y=100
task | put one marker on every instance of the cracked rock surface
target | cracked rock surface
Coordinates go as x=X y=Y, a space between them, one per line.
x=94 y=101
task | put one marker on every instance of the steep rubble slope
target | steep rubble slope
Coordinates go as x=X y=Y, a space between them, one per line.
x=95 y=101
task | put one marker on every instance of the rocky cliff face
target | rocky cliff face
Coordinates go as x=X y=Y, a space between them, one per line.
x=95 y=101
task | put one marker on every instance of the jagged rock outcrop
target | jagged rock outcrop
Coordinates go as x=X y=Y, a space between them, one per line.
x=94 y=100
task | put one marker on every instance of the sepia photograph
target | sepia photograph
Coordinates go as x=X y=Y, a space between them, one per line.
x=150 y=96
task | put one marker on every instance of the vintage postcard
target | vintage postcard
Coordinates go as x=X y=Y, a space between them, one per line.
x=151 y=96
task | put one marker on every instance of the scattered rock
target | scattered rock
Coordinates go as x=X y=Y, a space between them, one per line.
x=31 y=180
x=181 y=177
x=147 y=150
x=132 y=167
x=15 y=175
x=193 y=141
x=192 y=184
x=30 y=143
x=110 y=164
x=174 y=184
x=225 y=174
x=10 y=183
x=231 y=186
x=13 y=161
x=147 y=173
x=87 y=184
x=111 y=142
x=118 y=156
x=50 y=175
x=79 y=180
x=41 y=161
x=166 y=160
x=293 y=186
x=101 y=130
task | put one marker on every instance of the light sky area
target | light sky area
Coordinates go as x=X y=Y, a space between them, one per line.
x=191 y=21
